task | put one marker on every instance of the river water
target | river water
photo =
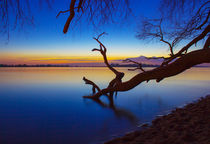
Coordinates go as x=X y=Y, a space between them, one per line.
x=45 y=105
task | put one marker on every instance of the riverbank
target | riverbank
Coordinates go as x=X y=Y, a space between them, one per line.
x=187 y=125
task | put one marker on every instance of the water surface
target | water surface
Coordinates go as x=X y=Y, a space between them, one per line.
x=45 y=105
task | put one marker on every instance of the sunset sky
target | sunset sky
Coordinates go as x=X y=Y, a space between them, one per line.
x=45 y=43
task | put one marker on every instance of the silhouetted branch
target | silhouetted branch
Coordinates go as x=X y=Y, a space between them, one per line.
x=185 y=48
x=80 y=6
x=93 y=84
x=152 y=30
x=118 y=75
x=103 y=53
x=103 y=33
x=139 y=65
x=71 y=16
x=100 y=11
x=162 y=39
x=206 y=20
x=207 y=44
x=172 y=65
x=62 y=12
x=14 y=14
x=178 y=66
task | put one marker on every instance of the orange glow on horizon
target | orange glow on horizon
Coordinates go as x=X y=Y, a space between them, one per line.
x=35 y=59
x=42 y=58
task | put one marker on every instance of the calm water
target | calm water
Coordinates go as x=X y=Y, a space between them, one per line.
x=45 y=105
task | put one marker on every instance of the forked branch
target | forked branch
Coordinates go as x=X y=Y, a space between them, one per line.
x=94 y=86
x=180 y=64
x=103 y=51
x=118 y=75
x=71 y=16
x=139 y=65
x=189 y=60
x=185 y=48
x=72 y=13
x=162 y=39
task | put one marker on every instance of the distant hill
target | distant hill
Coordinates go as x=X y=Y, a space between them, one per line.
x=145 y=61
x=151 y=61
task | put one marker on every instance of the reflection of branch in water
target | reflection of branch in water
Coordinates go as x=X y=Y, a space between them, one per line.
x=119 y=112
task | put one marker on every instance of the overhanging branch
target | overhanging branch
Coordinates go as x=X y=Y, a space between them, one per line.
x=185 y=48
x=138 y=67
x=187 y=61
x=118 y=75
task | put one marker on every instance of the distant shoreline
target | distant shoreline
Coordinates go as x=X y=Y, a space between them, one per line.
x=49 y=65
x=52 y=65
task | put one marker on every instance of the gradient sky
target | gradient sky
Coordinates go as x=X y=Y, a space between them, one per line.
x=45 y=43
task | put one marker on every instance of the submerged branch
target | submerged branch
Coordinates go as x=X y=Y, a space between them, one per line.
x=118 y=75
x=93 y=84
x=173 y=65
x=187 y=61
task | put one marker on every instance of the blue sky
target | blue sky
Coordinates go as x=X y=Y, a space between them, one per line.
x=46 y=39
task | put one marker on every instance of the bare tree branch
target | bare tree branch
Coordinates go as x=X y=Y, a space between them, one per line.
x=103 y=33
x=178 y=66
x=62 y=12
x=207 y=44
x=118 y=75
x=206 y=20
x=93 y=84
x=100 y=11
x=162 y=39
x=71 y=16
x=175 y=63
x=80 y=6
x=103 y=53
x=150 y=30
x=139 y=65
x=154 y=28
x=185 y=48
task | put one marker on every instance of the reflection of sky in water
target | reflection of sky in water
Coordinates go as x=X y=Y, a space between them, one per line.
x=45 y=105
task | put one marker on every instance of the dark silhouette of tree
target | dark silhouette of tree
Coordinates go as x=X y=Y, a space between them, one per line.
x=180 y=20
x=195 y=29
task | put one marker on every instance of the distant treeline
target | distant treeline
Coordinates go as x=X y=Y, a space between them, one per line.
x=51 y=65
x=133 y=65
x=25 y=65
